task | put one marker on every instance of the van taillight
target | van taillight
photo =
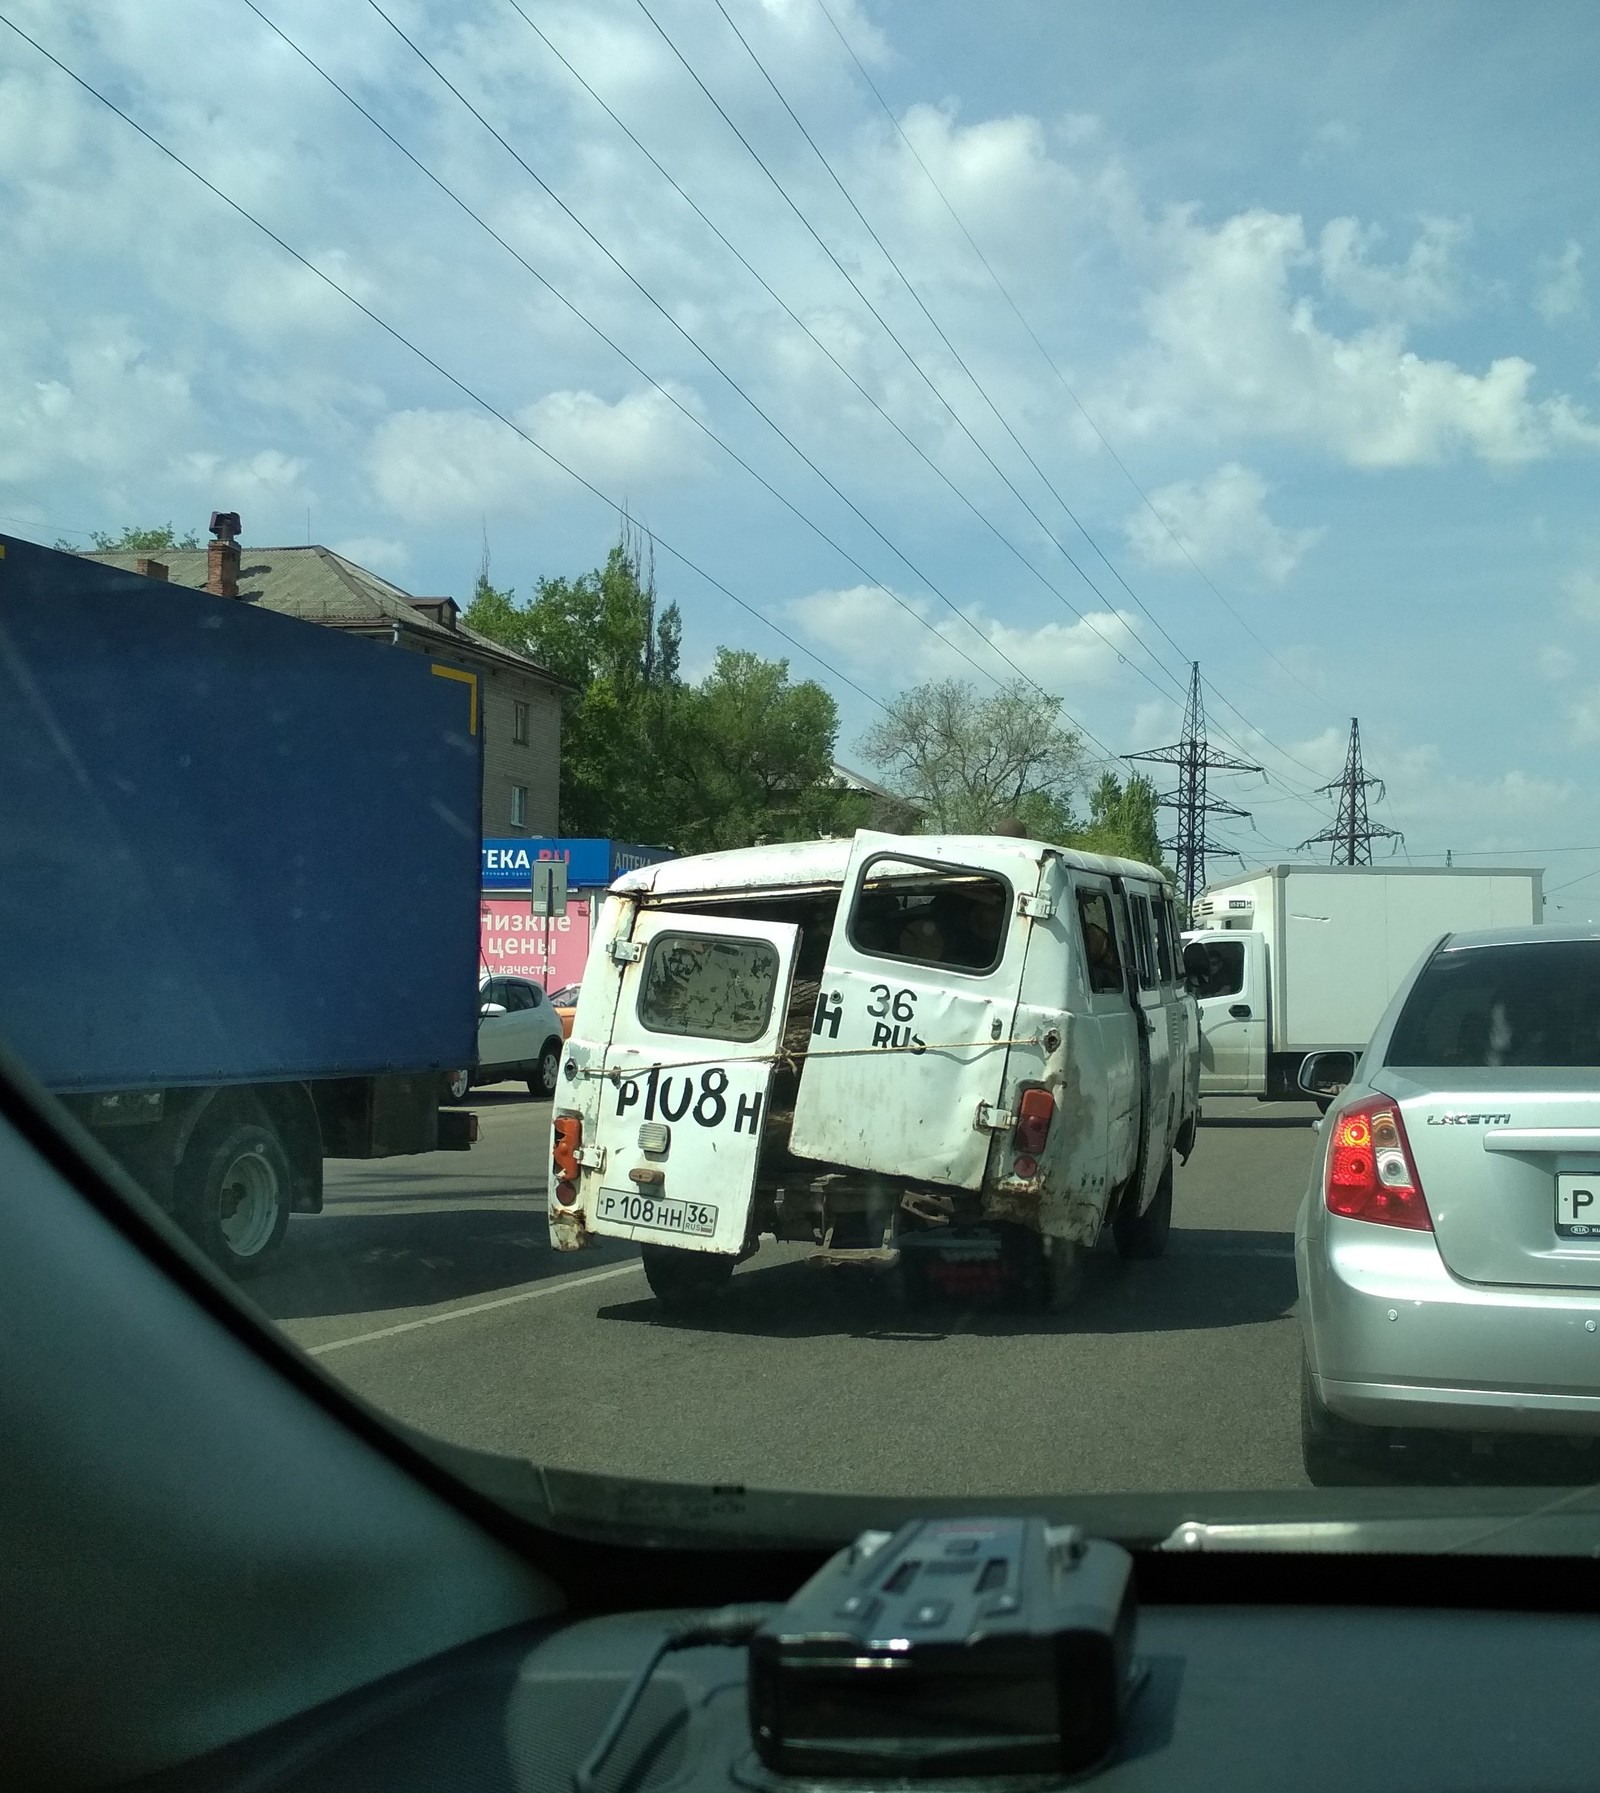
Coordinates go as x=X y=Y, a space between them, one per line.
x=1035 y=1112
x=1371 y=1174
x=567 y=1138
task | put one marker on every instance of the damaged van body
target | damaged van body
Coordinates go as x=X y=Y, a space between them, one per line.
x=963 y=1057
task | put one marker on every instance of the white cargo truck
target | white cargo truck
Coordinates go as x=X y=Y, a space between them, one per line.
x=1304 y=958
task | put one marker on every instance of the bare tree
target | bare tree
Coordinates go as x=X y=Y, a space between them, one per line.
x=974 y=762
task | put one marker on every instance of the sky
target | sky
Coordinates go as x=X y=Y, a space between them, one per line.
x=1068 y=341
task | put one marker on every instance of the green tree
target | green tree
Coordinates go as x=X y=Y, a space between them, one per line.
x=136 y=540
x=601 y=632
x=973 y=762
x=751 y=759
x=1122 y=819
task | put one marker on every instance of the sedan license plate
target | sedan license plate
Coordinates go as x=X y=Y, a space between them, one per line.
x=666 y=1215
x=1577 y=1206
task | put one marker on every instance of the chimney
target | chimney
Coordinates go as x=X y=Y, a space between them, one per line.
x=222 y=555
x=151 y=569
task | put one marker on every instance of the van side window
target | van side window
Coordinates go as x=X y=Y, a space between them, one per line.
x=1099 y=941
x=1165 y=957
x=956 y=918
x=715 y=989
x=1139 y=910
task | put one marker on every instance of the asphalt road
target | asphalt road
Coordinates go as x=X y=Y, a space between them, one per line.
x=429 y=1286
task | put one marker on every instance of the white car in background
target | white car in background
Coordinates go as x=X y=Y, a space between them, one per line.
x=519 y=1038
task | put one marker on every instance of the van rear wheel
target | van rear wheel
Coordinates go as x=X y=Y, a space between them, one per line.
x=1145 y=1235
x=680 y=1280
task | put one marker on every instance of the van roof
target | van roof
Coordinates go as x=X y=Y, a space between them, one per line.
x=792 y=864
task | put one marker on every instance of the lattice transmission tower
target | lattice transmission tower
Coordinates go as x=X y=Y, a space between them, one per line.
x=1349 y=840
x=1193 y=757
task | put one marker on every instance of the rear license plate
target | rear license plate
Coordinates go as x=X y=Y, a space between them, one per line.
x=1577 y=1206
x=668 y=1216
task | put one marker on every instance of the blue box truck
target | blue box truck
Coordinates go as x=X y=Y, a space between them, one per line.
x=239 y=858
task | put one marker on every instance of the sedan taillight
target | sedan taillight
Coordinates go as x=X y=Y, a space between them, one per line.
x=1371 y=1174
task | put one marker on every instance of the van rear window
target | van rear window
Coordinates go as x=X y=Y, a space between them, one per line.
x=955 y=918
x=710 y=986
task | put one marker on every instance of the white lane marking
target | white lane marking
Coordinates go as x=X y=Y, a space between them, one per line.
x=556 y=1286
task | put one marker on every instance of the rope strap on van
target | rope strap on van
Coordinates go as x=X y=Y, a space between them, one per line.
x=792 y=1060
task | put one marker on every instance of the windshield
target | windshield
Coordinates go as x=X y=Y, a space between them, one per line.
x=636 y=639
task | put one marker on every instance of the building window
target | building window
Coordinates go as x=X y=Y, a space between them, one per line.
x=519 y=806
x=519 y=724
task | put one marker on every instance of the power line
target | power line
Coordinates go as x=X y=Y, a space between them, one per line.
x=1193 y=757
x=699 y=348
x=1583 y=879
x=977 y=384
x=921 y=374
x=422 y=354
x=938 y=328
x=794 y=317
x=1050 y=362
x=1352 y=834
x=616 y=347
x=734 y=385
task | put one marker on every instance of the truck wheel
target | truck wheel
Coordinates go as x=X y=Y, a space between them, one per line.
x=456 y=1085
x=543 y=1082
x=1145 y=1235
x=680 y=1280
x=232 y=1193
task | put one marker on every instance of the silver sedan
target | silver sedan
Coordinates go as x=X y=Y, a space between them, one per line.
x=1448 y=1247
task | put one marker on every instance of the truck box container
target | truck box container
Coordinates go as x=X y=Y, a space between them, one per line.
x=236 y=849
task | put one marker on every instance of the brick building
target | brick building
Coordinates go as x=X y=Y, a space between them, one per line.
x=521 y=717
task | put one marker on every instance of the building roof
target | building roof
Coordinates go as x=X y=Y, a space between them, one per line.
x=323 y=587
x=857 y=781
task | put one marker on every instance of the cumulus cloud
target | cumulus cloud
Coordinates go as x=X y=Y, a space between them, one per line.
x=1560 y=290
x=1236 y=345
x=1427 y=789
x=1580 y=588
x=1583 y=718
x=1424 y=285
x=450 y=465
x=232 y=485
x=102 y=401
x=864 y=626
x=378 y=553
x=1220 y=520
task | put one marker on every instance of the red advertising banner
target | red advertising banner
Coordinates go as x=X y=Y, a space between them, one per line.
x=512 y=941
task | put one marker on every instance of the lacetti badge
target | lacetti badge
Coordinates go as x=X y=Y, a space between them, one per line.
x=1469 y=1120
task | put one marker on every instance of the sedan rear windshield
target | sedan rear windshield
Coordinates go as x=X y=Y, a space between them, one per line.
x=1504 y=1005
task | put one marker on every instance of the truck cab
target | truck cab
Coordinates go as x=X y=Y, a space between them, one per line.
x=961 y=1057
x=1232 y=997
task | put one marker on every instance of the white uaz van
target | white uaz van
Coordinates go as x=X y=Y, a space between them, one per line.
x=962 y=1055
